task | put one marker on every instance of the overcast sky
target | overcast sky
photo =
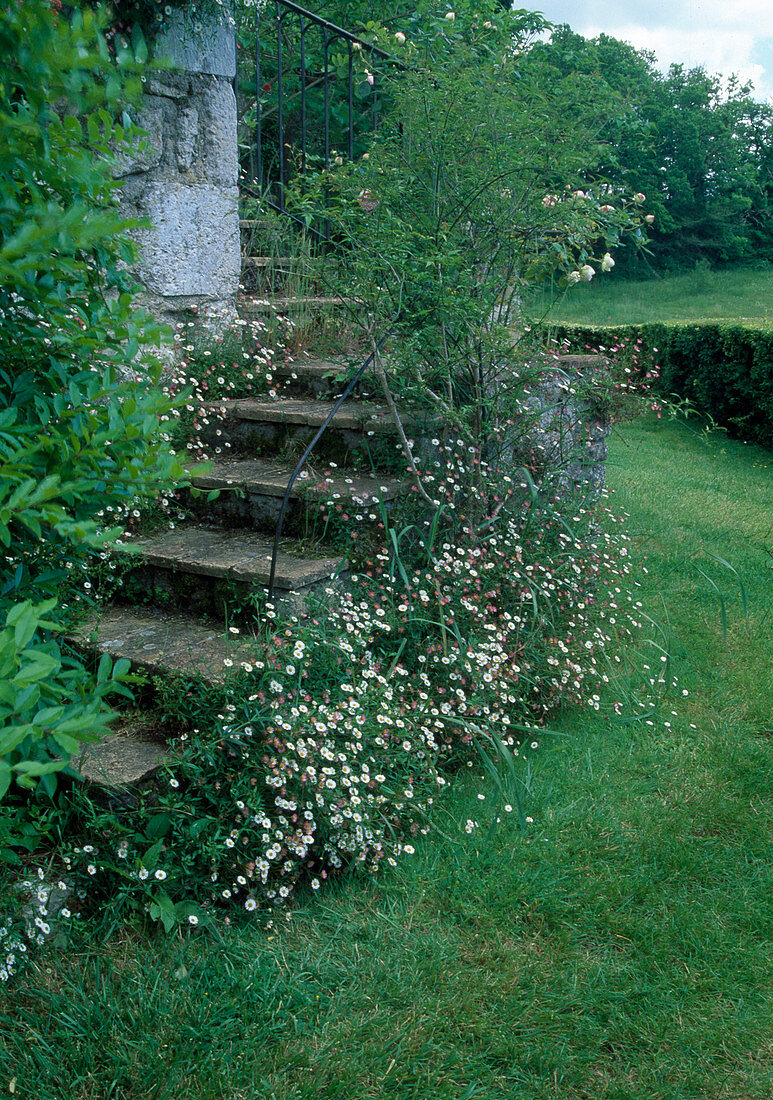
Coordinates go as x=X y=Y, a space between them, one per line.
x=724 y=36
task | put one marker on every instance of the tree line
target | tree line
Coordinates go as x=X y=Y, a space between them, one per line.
x=700 y=151
x=700 y=148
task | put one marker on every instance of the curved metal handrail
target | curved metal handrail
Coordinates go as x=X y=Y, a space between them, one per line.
x=304 y=457
x=330 y=33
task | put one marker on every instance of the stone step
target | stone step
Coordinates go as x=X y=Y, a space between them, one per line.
x=257 y=223
x=310 y=413
x=299 y=304
x=165 y=642
x=131 y=753
x=235 y=555
x=264 y=277
x=270 y=261
x=283 y=426
x=251 y=492
x=253 y=475
x=325 y=378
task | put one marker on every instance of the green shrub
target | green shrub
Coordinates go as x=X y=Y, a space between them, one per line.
x=725 y=371
x=81 y=431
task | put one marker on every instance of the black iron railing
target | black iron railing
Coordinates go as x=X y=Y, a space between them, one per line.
x=305 y=456
x=315 y=101
x=314 y=98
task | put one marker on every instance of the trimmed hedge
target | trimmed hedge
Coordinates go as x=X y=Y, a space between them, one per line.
x=725 y=370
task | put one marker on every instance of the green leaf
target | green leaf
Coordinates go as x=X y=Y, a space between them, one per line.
x=37 y=768
x=105 y=668
x=158 y=826
x=150 y=859
x=70 y=745
x=39 y=668
x=163 y=908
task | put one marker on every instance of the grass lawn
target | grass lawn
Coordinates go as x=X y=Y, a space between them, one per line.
x=739 y=295
x=620 y=948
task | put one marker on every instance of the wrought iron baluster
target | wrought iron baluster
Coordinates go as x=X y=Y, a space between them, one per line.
x=304 y=28
x=351 y=100
x=280 y=93
x=258 y=90
x=326 y=47
x=328 y=33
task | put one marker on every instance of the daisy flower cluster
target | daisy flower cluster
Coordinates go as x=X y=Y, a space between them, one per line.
x=37 y=906
x=239 y=361
x=628 y=374
x=12 y=947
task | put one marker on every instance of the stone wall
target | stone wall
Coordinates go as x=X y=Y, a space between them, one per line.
x=566 y=425
x=185 y=179
x=570 y=426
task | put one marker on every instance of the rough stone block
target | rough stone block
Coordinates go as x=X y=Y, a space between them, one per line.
x=168 y=85
x=150 y=149
x=193 y=248
x=186 y=137
x=198 y=44
x=221 y=162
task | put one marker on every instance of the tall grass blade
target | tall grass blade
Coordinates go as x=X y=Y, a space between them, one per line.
x=737 y=575
x=722 y=610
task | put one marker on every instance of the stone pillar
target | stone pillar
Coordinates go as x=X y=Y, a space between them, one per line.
x=185 y=179
x=568 y=433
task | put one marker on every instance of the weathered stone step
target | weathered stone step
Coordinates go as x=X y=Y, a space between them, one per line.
x=286 y=425
x=298 y=304
x=264 y=276
x=235 y=555
x=269 y=261
x=257 y=223
x=322 y=378
x=165 y=642
x=132 y=752
x=253 y=475
x=310 y=413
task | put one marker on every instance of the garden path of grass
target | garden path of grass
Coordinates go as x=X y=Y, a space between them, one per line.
x=619 y=949
x=737 y=295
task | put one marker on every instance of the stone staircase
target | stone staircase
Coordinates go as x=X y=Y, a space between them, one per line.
x=182 y=584
x=223 y=549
